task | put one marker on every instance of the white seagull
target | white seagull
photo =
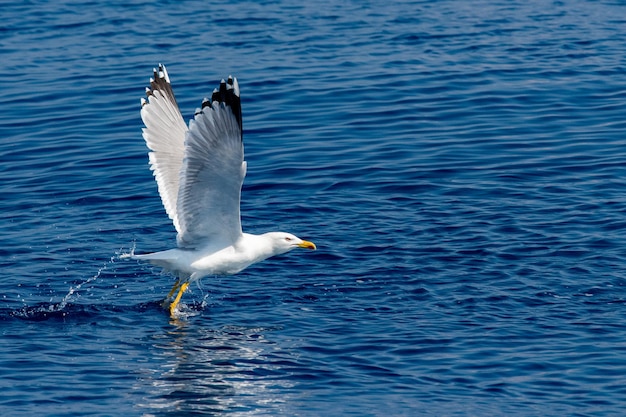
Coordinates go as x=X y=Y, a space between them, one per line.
x=199 y=172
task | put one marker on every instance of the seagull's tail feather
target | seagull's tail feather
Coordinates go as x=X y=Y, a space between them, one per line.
x=166 y=259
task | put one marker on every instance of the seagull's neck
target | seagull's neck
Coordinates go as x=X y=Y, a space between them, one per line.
x=257 y=247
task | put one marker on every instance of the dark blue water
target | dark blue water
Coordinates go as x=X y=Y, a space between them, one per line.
x=460 y=165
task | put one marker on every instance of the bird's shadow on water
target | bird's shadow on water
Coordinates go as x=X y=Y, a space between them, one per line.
x=65 y=311
x=80 y=312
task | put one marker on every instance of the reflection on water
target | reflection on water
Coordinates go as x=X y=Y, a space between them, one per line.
x=202 y=370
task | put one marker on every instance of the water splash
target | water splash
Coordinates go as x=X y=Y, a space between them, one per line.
x=60 y=309
x=124 y=255
x=60 y=306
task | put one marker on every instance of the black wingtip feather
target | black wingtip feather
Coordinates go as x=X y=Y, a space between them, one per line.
x=228 y=96
x=161 y=82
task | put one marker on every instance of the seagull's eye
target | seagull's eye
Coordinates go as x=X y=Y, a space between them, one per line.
x=288 y=239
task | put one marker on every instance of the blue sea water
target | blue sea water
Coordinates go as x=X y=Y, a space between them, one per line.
x=460 y=165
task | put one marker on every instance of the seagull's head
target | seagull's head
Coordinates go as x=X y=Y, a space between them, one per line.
x=284 y=242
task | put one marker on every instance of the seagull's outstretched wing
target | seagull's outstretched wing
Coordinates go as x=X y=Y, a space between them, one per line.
x=212 y=173
x=165 y=136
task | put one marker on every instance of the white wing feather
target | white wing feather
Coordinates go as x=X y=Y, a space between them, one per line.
x=211 y=179
x=165 y=136
x=199 y=170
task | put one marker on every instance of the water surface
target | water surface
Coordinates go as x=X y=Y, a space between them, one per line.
x=459 y=165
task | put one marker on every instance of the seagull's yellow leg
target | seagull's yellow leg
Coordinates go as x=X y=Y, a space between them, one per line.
x=173 y=290
x=171 y=293
x=183 y=288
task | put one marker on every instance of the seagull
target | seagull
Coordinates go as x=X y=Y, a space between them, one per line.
x=199 y=171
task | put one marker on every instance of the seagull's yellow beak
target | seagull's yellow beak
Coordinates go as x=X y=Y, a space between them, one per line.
x=307 y=245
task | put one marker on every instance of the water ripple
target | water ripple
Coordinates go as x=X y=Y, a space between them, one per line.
x=460 y=167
